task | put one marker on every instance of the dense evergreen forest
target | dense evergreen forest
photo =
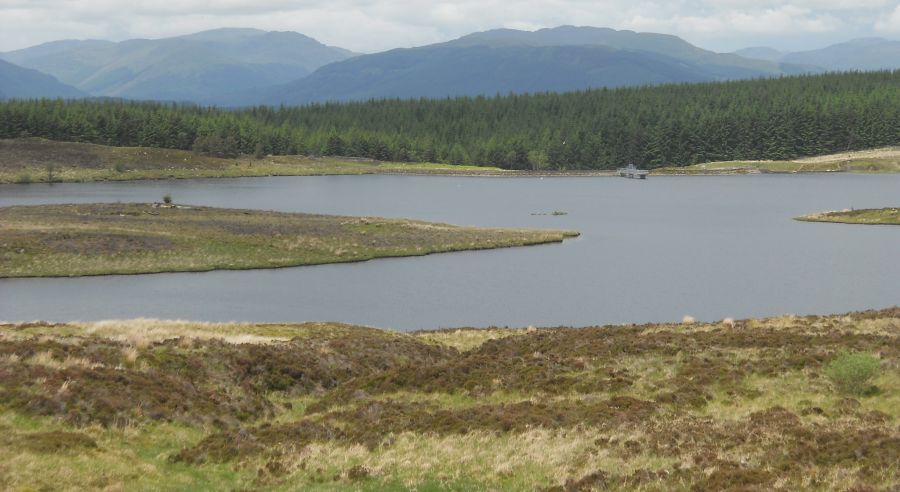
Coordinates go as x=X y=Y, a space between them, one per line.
x=598 y=129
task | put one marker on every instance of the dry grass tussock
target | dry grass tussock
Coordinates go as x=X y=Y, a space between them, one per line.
x=142 y=332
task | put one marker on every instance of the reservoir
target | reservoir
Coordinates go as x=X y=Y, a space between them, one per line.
x=649 y=250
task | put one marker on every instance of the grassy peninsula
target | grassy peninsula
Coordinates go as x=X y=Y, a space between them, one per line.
x=99 y=239
x=884 y=160
x=873 y=216
x=735 y=405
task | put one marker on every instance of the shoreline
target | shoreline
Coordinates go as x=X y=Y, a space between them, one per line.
x=35 y=161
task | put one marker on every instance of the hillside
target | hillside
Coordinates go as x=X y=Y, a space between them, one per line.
x=23 y=83
x=503 y=61
x=790 y=402
x=186 y=68
x=717 y=65
x=442 y=71
x=760 y=53
x=657 y=126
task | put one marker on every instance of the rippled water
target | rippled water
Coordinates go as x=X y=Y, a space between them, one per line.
x=652 y=250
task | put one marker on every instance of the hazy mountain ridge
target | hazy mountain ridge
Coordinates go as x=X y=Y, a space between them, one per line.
x=856 y=54
x=442 y=71
x=560 y=59
x=24 y=83
x=181 y=68
x=241 y=67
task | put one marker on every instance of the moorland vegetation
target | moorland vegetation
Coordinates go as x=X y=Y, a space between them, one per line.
x=786 y=403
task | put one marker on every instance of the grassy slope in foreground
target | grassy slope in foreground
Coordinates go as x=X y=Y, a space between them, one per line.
x=29 y=161
x=98 y=239
x=874 y=216
x=724 y=406
x=886 y=160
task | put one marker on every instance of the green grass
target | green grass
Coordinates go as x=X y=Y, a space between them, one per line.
x=99 y=239
x=162 y=405
x=885 y=160
x=26 y=161
x=875 y=216
x=853 y=372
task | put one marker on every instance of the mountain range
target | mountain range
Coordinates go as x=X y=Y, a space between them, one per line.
x=184 y=68
x=502 y=61
x=240 y=67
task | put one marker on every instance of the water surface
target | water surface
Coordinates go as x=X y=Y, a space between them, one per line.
x=653 y=250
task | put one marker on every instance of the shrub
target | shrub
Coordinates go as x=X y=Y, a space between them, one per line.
x=23 y=178
x=120 y=167
x=167 y=199
x=851 y=372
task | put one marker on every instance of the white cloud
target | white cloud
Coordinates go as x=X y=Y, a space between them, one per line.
x=890 y=23
x=374 y=25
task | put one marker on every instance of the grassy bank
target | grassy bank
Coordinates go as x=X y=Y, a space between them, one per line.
x=98 y=239
x=746 y=405
x=35 y=160
x=886 y=160
x=875 y=216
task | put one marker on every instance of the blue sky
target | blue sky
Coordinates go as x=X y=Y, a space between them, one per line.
x=375 y=25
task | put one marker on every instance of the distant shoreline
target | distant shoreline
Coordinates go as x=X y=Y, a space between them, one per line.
x=35 y=160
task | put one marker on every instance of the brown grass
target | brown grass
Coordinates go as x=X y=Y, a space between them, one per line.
x=28 y=160
x=722 y=406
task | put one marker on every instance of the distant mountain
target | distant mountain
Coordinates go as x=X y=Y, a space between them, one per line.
x=25 y=83
x=718 y=64
x=501 y=61
x=192 y=67
x=441 y=71
x=858 y=54
x=761 y=53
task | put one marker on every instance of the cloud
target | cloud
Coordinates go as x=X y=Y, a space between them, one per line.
x=890 y=23
x=767 y=21
x=375 y=25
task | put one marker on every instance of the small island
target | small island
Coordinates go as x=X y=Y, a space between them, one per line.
x=114 y=238
x=871 y=216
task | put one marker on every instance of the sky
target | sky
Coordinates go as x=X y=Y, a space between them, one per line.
x=368 y=26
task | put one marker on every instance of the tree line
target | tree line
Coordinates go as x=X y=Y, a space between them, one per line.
x=669 y=125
